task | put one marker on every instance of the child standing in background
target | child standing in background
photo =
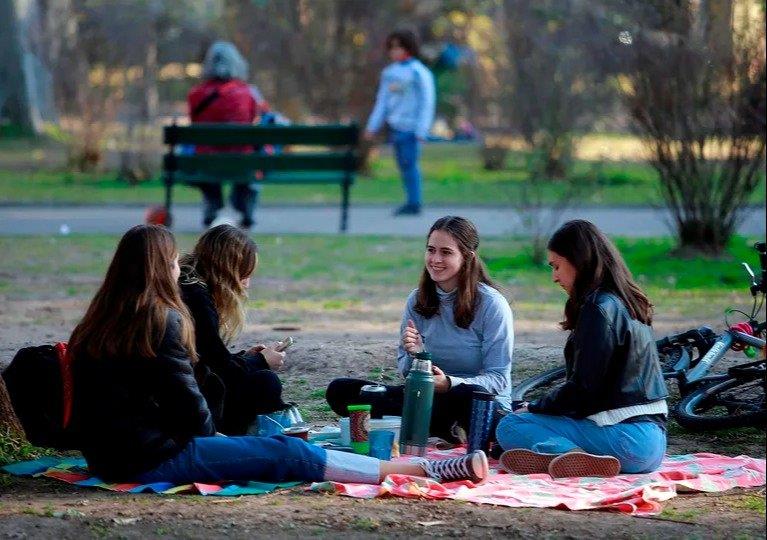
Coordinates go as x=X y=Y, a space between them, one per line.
x=405 y=103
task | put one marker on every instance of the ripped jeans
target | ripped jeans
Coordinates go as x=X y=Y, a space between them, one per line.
x=639 y=446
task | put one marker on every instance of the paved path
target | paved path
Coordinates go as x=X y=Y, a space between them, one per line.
x=491 y=221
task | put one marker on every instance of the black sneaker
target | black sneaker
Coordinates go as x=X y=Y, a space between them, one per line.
x=407 y=210
x=472 y=467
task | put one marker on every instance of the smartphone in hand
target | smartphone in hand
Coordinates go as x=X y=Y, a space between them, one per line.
x=284 y=344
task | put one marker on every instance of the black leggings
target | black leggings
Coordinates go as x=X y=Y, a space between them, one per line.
x=257 y=392
x=451 y=407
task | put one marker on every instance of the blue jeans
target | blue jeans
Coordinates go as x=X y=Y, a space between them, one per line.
x=266 y=459
x=638 y=446
x=407 y=151
x=269 y=459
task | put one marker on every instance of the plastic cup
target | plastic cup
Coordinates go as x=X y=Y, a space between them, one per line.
x=381 y=442
x=302 y=432
x=359 y=428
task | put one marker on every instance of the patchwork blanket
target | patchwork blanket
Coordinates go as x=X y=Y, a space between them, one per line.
x=75 y=471
x=637 y=494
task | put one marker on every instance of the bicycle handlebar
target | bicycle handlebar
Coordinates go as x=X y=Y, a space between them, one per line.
x=761 y=248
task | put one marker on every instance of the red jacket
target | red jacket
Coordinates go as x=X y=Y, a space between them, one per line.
x=235 y=103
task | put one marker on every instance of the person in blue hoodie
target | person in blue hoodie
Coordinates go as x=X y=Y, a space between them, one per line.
x=405 y=103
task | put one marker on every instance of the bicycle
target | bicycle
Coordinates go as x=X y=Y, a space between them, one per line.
x=708 y=402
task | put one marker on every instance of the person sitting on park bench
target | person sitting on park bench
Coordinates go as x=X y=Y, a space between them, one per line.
x=224 y=96
x=214 y=281
x=139 y=411
x=610 y=414
x=458 y=315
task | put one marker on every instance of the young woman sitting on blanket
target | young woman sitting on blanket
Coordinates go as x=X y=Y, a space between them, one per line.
x=214 y=282
x=458 y=315
x=610 y=414
x=140 y=414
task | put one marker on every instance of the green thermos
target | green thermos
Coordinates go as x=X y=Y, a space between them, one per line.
x=416 y=411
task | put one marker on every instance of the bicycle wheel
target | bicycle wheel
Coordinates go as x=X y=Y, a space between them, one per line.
x=734 y=401
x=538 y=385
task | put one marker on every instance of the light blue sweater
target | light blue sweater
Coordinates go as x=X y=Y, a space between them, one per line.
x=405 y=99
x=480 y=354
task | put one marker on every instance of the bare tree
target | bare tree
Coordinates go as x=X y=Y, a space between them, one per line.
x=557 y=74
x=539 y=213
x=699 y=101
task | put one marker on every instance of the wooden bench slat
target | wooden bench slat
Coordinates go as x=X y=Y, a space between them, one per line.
x=224 y=164
x=214 y=134
x=284 y=178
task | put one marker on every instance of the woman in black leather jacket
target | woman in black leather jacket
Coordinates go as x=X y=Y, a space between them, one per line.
x=609 y=416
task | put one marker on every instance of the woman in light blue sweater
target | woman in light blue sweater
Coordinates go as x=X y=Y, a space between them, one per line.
x=458 y=315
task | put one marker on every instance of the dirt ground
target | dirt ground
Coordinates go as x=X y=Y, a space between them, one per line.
x=330 y=343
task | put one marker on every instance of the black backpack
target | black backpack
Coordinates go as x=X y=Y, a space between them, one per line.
x=39 y=382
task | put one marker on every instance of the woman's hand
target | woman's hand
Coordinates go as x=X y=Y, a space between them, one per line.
x=441 y=381
x=273 y=357
x=411 y=338
x=522 y=408
x=256 y=349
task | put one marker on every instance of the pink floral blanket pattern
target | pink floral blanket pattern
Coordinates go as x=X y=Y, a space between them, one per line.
x=636 y=494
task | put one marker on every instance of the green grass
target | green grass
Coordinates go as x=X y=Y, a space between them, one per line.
x=14 y=449
x=752 y=502
x=340 y=273
x=453 y=174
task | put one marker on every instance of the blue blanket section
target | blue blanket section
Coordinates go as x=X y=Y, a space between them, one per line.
x=38 y=467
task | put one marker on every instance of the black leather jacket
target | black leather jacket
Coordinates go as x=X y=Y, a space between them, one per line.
x=135 y=413
x=611 y=362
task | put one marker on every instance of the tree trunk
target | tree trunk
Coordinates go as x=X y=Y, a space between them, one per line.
x=9 y=422
x=14 y=98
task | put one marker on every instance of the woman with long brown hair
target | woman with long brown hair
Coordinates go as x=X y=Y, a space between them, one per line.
x=610 y=413
x=465 y=323
x=140 y=415
x=214 y=282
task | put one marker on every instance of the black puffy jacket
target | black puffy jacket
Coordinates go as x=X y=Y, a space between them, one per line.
x=135 y=413
x=611 y=361
x=237 y=386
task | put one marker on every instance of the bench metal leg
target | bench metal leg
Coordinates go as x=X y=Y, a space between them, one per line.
x=168 y=198
x=344 y=206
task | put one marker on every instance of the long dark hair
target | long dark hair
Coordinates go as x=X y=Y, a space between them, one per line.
x=472 y=273
x=598 y=265
x=127 y=316
x=222 y=258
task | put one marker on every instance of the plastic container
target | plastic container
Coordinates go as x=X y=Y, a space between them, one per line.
x=388 y=423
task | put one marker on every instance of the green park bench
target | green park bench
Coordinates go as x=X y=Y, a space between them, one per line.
x=334 y=163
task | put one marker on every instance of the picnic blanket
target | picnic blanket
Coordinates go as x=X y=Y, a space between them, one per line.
x=636 y=494
x=74 y=470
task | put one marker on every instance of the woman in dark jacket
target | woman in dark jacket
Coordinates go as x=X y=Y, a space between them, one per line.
x=214 y=281
x=140 y=414
x=610 y=414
